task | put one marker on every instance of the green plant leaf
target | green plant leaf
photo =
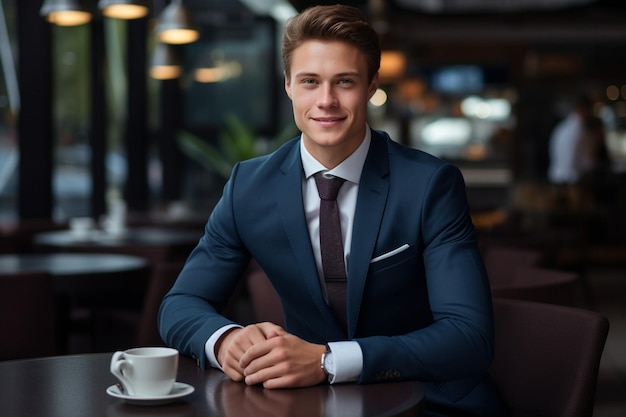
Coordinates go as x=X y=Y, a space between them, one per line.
x=203 y=153
x=236 y=142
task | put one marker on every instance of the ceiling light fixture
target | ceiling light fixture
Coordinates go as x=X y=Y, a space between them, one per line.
x=176 y=25
x=124 y=9
x=65 y=12
x=165 y=63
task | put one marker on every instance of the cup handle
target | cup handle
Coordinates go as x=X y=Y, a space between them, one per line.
x=119 y=365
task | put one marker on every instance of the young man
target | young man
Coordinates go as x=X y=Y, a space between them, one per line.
x=418 y=299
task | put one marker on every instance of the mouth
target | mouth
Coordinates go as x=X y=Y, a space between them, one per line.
x=328 y=121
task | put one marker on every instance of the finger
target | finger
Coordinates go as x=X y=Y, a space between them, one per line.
x=233 y=373
x=263 y=373
x=250 y=336
x=231 y=368
x=277 y=377
x=271 y=330
x=255 y=353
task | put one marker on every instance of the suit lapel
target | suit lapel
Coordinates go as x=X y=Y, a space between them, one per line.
x=371 y=200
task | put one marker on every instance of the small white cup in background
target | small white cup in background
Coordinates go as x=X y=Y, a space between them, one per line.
x=81 y=226
x=146 y=371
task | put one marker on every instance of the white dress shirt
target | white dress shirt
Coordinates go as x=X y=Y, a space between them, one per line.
x=347 y=355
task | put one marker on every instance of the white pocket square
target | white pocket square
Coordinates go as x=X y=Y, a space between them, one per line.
x=391 y=253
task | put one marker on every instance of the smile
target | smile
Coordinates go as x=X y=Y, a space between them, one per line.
x=324 y=120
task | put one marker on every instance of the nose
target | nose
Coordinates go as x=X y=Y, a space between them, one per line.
x=327 y=97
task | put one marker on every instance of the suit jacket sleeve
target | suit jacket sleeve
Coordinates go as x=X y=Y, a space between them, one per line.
x=456 y=346
x=190 y=312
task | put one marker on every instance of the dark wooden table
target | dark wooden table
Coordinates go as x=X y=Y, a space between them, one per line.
x=153 y=243
x=75 y=386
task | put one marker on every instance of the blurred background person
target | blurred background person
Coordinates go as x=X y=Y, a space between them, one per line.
x=571 y=145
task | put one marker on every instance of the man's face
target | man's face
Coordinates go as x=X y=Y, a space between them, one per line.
x=328 y=87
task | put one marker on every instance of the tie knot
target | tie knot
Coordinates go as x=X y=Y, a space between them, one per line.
x=328 y=186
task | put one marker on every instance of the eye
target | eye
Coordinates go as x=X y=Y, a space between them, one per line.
x=308 y=81
x=345 y=81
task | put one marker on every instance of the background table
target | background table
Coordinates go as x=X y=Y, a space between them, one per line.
x=76 y=273
x=75 y=386
x=153 y=243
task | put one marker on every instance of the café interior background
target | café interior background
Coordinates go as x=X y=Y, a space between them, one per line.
x=87 y=121
x=480 y=83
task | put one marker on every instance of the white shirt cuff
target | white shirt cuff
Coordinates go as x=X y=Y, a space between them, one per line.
x=348 y=361
x=209 y=346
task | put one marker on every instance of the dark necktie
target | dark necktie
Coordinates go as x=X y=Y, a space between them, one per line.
x=331 y=245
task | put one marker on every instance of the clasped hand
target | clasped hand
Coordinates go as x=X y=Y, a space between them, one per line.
x=264 y=353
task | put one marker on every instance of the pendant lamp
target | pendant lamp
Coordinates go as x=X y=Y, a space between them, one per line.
x=165 y=63
x=176 y=25
x=65 y=12
x=124 y=9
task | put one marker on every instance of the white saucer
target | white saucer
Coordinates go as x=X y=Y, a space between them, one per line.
x=180 y=390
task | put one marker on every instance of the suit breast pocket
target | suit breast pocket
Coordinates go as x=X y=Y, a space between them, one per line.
x=397 y=257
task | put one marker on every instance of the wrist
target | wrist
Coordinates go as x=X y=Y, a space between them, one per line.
x=223 y=342
x=327 y=364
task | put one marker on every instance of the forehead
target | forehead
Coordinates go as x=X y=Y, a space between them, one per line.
x=327 y=57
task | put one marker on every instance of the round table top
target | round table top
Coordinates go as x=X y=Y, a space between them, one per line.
x=135 y=236
x=66 y=264
x=83 y=273
x=68 y=386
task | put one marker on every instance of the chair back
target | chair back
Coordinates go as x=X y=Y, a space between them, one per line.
x=501 y=261
x=542 y=285
x=27 y=316
x=266 y=303
x=162 y=278
x=547 y=357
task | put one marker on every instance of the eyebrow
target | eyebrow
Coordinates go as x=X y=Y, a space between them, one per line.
x=341 y=74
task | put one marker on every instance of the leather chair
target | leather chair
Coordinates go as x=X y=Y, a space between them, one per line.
x=542 y=285
x=501 y=261
x=28 y=321
x=162 y=278
x=547 y=357
x=265 y=301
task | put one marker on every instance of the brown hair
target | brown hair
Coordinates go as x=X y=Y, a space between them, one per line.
x=332 y=23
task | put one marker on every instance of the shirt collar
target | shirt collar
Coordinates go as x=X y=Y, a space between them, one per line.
x=350 y=169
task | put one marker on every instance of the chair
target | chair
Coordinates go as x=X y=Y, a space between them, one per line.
x=547 y=357
x=563 y=248
x=542 y=285
x=28 y=321
x=501 y=261
x=265 y=301
x=163 y=276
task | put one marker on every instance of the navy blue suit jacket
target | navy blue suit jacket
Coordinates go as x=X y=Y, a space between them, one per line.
x=424 y=313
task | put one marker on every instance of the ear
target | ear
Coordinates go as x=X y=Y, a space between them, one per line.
x=287 y=85
x=373 y=86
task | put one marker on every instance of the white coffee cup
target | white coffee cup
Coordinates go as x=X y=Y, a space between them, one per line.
x=146 y=371
x=81 y=226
